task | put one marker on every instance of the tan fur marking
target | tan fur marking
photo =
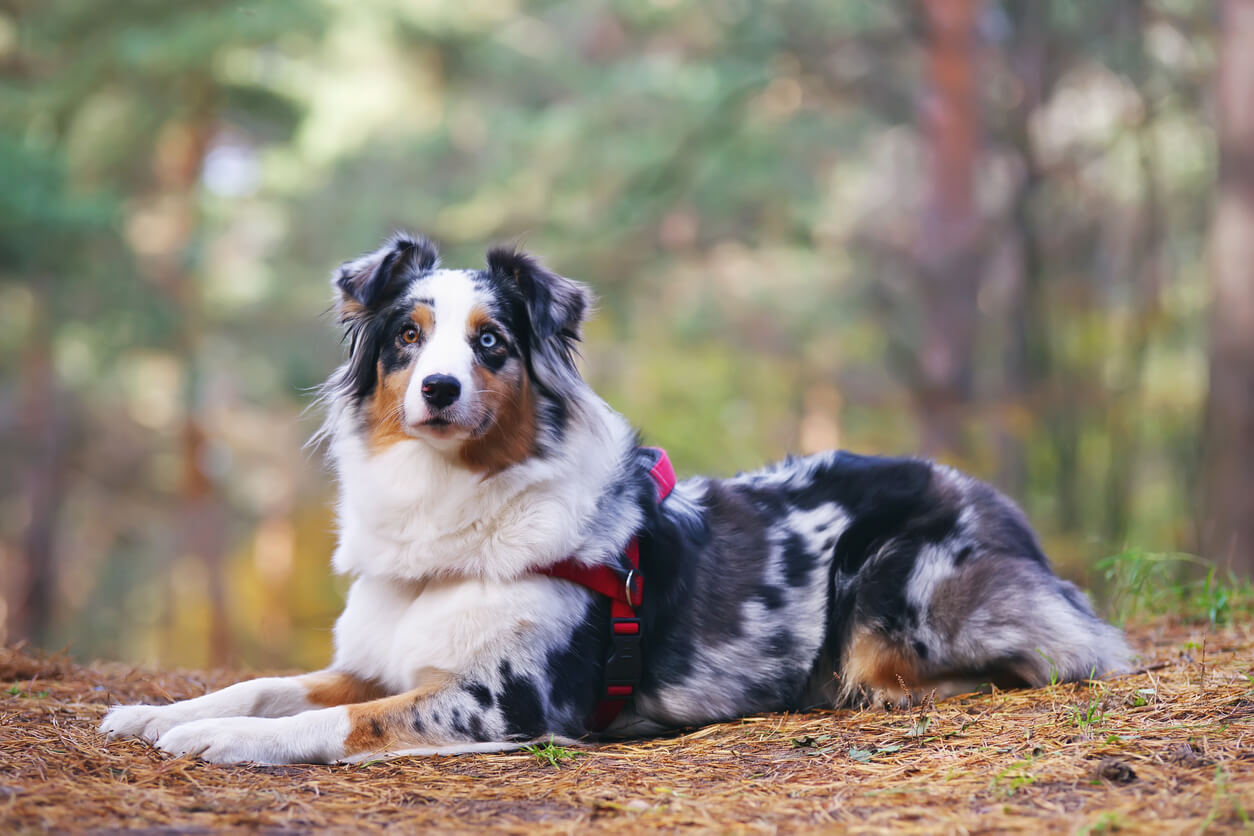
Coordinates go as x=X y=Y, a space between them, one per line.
x=385 y=724
x=512 y=436
x=479 y=317
x=872 y=662
x=349 y=308
x=330 y=688
x=507 y=397
x=384 y=413
x=424 y=317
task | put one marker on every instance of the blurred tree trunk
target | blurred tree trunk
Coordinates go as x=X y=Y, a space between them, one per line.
x=1026 y=355
x=949 y=262
x=181 y=153
x=43 y=480
x=1144 y=276
x=1228 y=469
x=204 y=516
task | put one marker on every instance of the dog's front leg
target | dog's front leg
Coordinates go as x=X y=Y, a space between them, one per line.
x=271 y=696
x=434 y=715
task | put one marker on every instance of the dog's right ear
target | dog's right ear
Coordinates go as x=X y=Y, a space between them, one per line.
x=367 y=283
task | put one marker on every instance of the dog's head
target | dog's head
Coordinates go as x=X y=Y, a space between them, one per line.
x=463 y=360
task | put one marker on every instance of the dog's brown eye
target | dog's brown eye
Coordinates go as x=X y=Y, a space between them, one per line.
x=410 y=335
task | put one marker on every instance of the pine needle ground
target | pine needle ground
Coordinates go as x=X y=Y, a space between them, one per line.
x=1169 y=749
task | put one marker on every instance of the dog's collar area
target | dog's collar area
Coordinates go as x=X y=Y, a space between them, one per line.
x=626 y=592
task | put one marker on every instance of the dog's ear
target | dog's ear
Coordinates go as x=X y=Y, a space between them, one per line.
x=367 y=283
x=556 y=306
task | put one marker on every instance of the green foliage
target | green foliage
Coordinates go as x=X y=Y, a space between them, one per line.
x=1107 y=822
x=1225 y=801
x=40 y=213
x=865 y=755
x=1148 y=584
x=1089 y=713
x=15 y=690
x=1015 y=777
x=823 y=744
x=551 y=753
x=919 y=726
x=1054 y=676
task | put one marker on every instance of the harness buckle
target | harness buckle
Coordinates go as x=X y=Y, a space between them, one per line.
x=624 y=666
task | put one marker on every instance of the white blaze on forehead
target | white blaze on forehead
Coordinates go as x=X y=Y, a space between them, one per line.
x=451 y=295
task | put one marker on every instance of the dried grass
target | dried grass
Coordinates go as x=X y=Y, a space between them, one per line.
x=1169 y=749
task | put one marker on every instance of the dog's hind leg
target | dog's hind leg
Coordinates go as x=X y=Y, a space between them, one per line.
x=271 y=696
x=954 y=624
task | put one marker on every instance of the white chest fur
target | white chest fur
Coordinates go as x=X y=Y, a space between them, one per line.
x=413 y=512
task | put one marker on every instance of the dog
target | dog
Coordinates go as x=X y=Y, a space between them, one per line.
x=523 y=568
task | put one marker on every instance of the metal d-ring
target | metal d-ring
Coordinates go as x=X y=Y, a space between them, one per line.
x=631 y=575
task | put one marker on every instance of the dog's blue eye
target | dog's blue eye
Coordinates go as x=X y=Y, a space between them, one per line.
x=487 y=339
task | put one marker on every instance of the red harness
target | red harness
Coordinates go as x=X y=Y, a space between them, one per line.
x=622 y=669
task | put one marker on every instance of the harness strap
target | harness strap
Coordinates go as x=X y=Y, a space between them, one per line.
x=623 y=667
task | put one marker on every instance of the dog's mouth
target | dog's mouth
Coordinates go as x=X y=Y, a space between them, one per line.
x=439 y=428
x=443 y=426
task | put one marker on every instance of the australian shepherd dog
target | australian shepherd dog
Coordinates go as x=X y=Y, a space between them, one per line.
x=484 y=487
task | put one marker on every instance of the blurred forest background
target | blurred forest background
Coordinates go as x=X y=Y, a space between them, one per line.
x=1016 y=235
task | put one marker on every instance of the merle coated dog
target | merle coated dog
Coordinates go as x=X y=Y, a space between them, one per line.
x=486 y=491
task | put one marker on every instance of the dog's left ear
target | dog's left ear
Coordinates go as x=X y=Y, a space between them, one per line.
x=556 y=305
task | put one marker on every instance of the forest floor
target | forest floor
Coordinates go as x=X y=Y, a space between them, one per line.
x=1169 y=749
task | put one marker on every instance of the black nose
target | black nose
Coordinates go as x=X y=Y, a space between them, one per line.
x=440 y=390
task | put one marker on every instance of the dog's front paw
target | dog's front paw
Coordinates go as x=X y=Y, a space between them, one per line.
x=222 y=740
x=250 y=740
x=146 y=721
